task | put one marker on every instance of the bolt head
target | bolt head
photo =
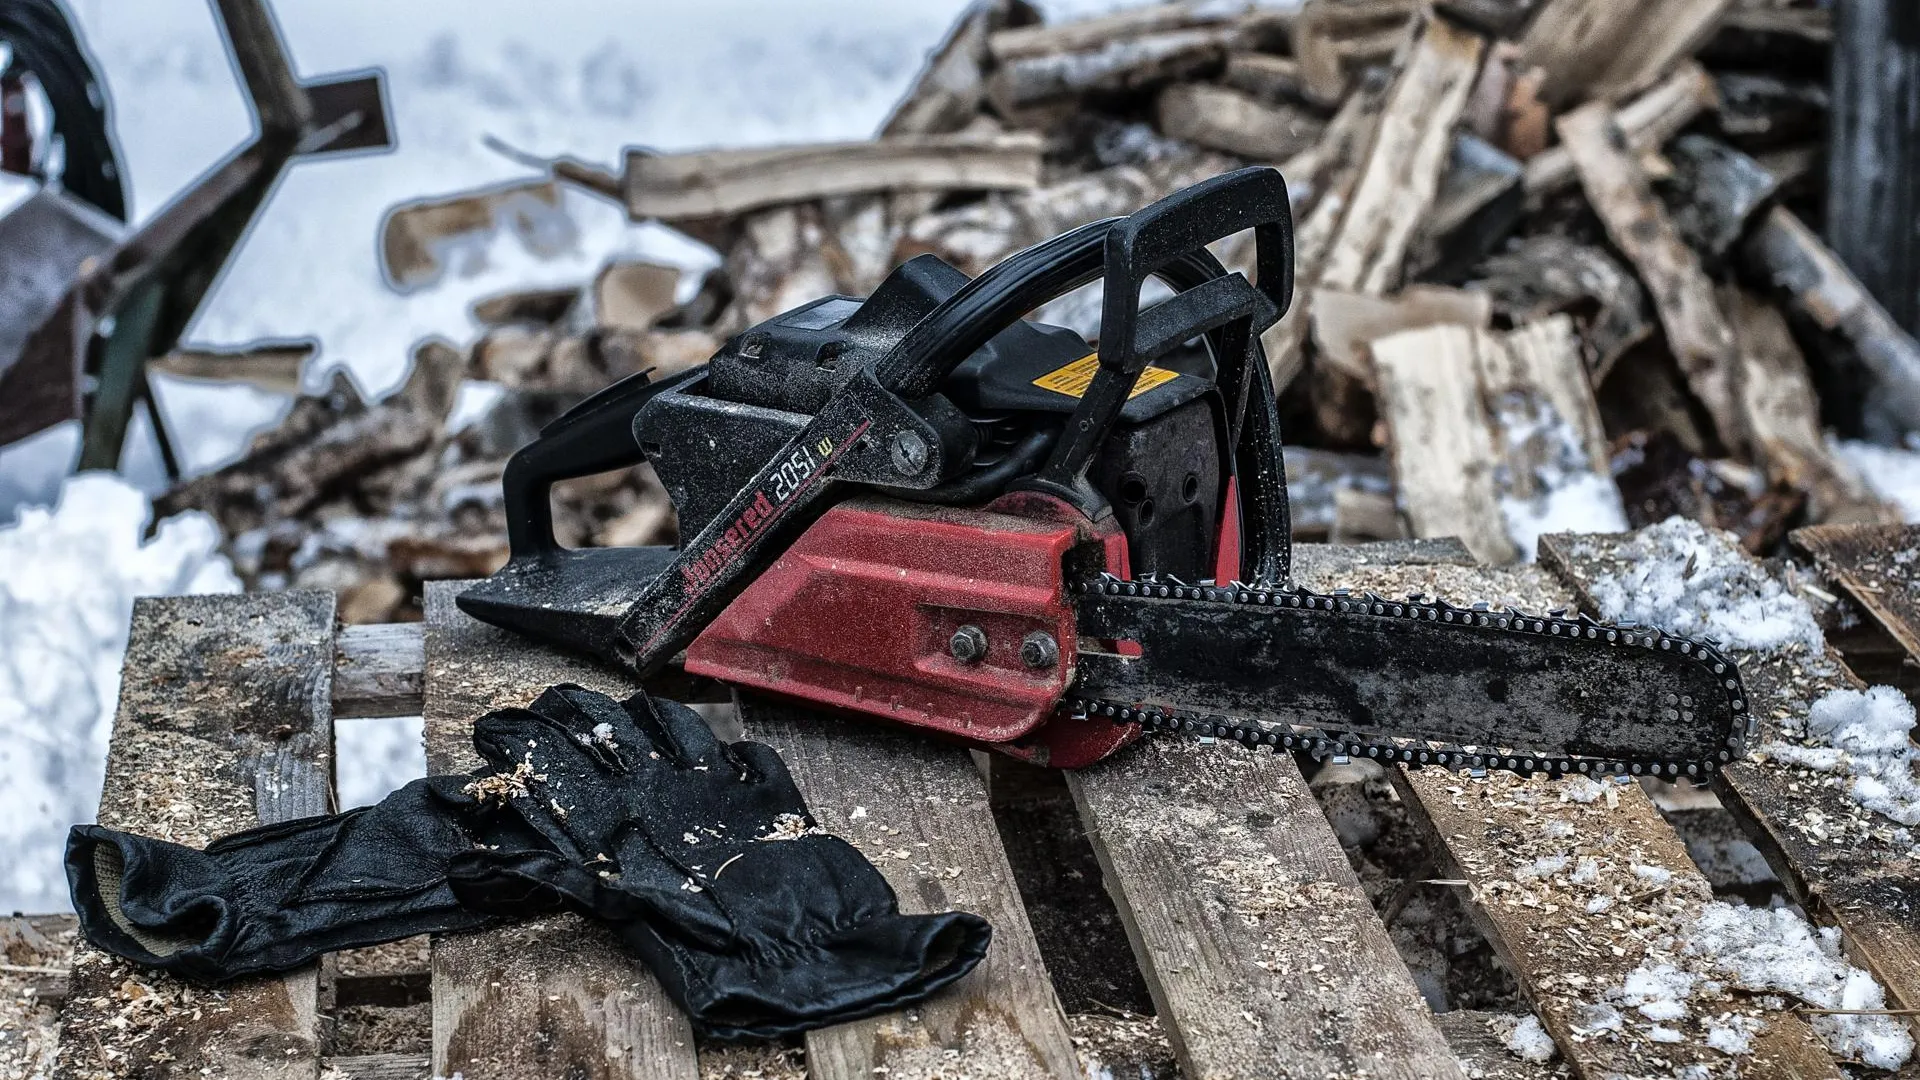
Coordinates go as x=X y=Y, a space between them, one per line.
x=968 y=644
x=909 y=453
x=1039 y=651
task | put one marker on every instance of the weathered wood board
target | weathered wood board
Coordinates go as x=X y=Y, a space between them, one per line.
x=1259 y=945
x=1879 y=566
x=918 y=810
x=379 y=670
x=1846 y=864
x=553 y=997
x=223 y=723
x=1539 y=856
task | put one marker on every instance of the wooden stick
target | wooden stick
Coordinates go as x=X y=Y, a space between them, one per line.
x=1623 y=196
x=1647 y=121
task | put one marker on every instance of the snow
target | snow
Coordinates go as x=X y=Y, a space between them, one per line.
x=1775 y=950
x=1527 y=1039
x=1892 y=474
x=68 y=577
x=1687 y=579
x=1670 y=997
x=1862 y=734
x=1562 y=492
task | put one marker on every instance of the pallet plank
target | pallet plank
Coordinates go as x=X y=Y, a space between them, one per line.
x=379 y=670
x=1879 y=566
x=555 y=997
x=1259 y=945
x=223 y=724
x=1003 y=1019
x=1844 y=864
x=1493 y=832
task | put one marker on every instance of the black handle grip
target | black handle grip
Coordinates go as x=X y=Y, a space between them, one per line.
x=1145 y=242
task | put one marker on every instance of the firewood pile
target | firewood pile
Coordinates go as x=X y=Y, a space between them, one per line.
x=1557 y=268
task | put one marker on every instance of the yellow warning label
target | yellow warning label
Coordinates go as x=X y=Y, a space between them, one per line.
x=1074 y=379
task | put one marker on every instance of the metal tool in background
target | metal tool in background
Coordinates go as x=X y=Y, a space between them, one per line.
x=100 y=301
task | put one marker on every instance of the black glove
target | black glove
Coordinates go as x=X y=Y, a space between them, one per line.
x=274 y=897
x=705 y=860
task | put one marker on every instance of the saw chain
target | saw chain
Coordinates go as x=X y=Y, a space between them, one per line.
x=1726 y=721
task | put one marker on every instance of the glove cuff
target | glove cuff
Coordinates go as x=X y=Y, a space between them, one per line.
x=107 y=874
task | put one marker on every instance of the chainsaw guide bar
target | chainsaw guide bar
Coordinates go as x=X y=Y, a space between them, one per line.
x=1429 y=683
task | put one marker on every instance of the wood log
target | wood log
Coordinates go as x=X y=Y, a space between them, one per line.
x=1875 y=152
x=1478 y=205
x=1760 y=110
x=1493 y=436
x=1713 y=194
x=948 y=92
x=1315 y=479
x=714 y=183
x=1363 y=516
x=1122 y=65
x=1547 y=274
x=1346 y=323
x=1505 y=108
x=327 y=443
x=1608 y=49
x=273 y=366
x=1818 y=287
x=633 y=294
x=975 y=236
x=1265 y=77
x=1228 y=120
x=1696 y=330
x=1335 y=39
x=418 y=239
x=1082 y=35
x=1398 y=179
x=533 y=307
x=1782 y=411
x=1647 y=121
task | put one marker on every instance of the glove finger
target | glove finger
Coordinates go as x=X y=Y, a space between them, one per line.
x=679 y=732
x=765 y=766
x=519 y=883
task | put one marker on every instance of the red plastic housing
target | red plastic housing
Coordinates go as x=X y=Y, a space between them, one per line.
x=859 y=612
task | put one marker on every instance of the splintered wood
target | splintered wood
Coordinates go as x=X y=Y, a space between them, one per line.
x=1623 y=196
x=1488 y=428
x=1577 y=884
x=1847 y=864
x=1879 y=566
x=1260 y=947
x=555 y=996
x=1608 y=48
x=223 y=724
x=918 y=810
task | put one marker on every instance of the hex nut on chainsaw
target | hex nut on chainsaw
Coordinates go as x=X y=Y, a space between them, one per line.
x=968 y=644
x=1039 y=651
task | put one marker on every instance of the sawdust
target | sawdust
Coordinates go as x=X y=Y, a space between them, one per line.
x=499 y=789
x=380 y=1029
x=37 y=953
x=773 y=1061
x=1122 y=1046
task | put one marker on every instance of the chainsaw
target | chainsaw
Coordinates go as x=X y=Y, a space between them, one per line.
x=925 y=508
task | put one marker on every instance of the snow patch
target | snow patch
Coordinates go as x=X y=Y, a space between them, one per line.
x=68 y=577
x=1526 y=1038
x=1561 y=491
x=1862 y=734
x=1890 y=473
x=1687 y=579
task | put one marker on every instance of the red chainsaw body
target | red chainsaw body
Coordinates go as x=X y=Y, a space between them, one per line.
x=858 y=615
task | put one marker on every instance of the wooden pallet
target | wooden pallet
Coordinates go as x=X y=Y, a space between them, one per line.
x=1260 y=950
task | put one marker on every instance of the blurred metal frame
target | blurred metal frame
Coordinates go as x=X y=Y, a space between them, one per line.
x=128 y=305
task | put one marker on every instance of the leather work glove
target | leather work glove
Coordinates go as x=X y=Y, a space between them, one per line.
x=275 y=897
x=705 y=860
